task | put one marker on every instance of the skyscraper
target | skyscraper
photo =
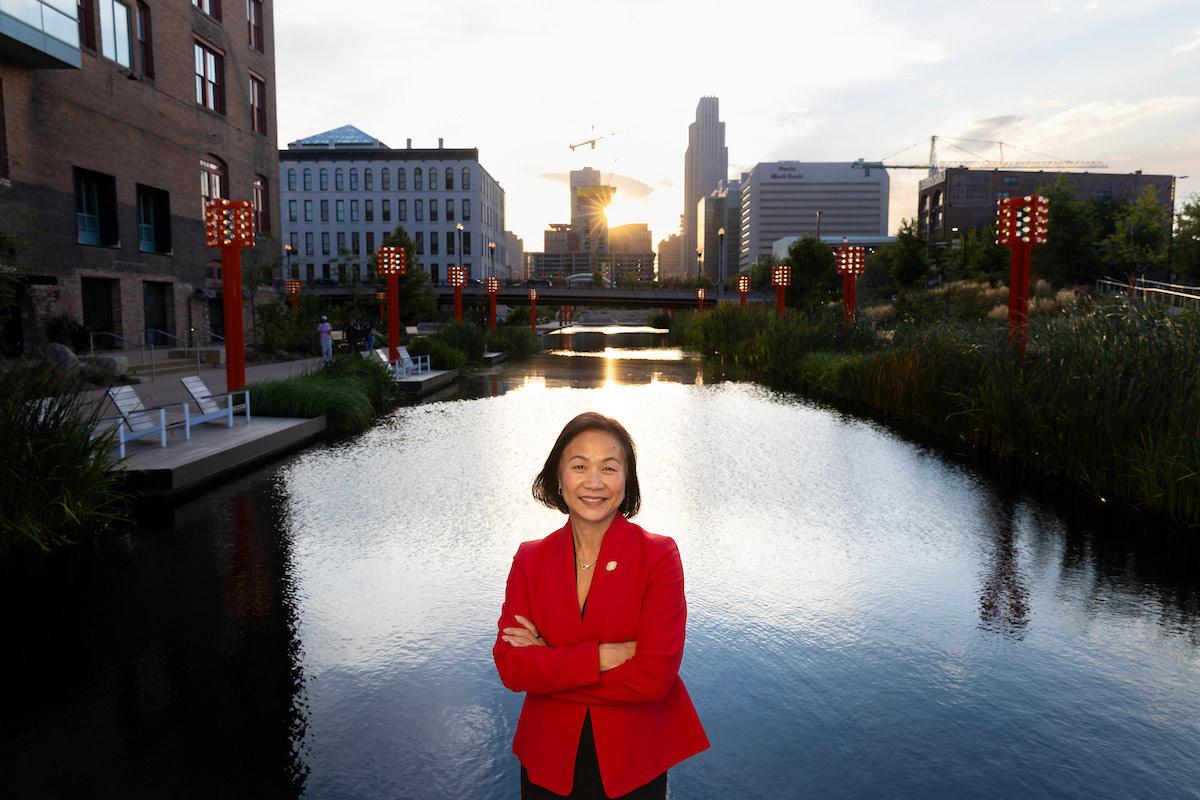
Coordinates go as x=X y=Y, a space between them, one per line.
x=706 y=163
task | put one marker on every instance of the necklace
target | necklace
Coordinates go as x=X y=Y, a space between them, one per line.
x=585 y=567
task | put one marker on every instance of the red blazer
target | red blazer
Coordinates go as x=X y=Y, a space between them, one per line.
x=642 y=717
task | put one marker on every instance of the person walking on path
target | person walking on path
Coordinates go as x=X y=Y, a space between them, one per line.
x=325 y=331
x=368 y=333
x=353 y=334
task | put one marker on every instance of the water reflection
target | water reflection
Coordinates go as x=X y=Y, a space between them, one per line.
x=864 y=612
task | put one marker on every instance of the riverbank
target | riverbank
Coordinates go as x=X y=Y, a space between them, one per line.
x=1105 y=401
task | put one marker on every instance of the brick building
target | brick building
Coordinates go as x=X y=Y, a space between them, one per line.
x=114 y=129
x=963 y=198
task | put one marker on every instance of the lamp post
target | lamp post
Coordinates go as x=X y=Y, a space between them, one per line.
x=287 y=252
x=720 y=265
x=460 y=240
x=818 y=226
x=492 y=284
x=699 y=252
x=851 y=261
x=781 y=276
x=1020 y=226
x=700 y=297
x=391 y=263
x=230 y=226
x=533 y=309
x=743 y=287
x=492 y=255
x=458 y=277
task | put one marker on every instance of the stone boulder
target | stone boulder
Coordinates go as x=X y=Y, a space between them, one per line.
x=61 y=357
x=110 y=366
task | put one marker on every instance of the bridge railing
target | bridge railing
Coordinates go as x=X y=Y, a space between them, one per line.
x=1173 y=295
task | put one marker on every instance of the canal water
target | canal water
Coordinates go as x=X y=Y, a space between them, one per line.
x=869 y=615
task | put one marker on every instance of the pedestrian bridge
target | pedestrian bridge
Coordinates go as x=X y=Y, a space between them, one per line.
x=614 y=297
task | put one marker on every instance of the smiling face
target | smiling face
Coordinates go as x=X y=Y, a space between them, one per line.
x=591 y=475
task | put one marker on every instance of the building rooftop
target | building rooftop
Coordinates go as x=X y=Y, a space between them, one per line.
x=345 y=136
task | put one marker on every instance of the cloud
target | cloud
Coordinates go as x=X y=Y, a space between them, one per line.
x=1188 y=47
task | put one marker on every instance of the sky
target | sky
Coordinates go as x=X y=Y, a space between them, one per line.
x=1078 y=80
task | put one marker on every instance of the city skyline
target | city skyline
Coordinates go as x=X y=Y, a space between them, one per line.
x=1070 y=80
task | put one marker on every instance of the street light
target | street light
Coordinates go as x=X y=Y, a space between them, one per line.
x=781 y=276
x=720 y=265
x=698 y=253
x=818 y=226
x=492 y=253
x=460 y=238
x=287 y=251
x=743 y=284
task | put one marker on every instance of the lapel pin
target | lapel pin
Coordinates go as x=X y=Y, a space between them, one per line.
x=610 y=566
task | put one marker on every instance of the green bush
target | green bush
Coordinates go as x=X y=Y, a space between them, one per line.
x=56 y=481
x=349 y=392
x=515 y=341
x=468 y=339
x=441 y=355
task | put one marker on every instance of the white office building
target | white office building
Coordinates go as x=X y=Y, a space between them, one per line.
x=792 y=198
x=344 y=191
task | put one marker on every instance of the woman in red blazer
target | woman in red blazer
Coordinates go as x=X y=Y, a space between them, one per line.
x=592 y=630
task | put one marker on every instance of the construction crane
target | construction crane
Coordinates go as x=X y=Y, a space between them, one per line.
x=934 y=165
x=592 y=141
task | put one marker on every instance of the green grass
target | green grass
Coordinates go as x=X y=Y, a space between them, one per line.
x=57 y=485
x=349 y=392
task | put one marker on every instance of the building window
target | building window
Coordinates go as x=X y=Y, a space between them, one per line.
x=292 y=211
x=369 y=210
x=999 y=195
x=433 y=243
x=95 y=208
x=114 y=31
x=449 y=243
x=87 y=24
x=385 y=179
x=308 y=180
x=262 y=204
x=419 y=209
x=308 y=211
x=1104 y=196
x=258 y=106
x=355 y=243
x=466 y=210
x=210 y=7
x=308 y=243
x=420 y=243
x=325 y=243
x=154 y=220
x=1010 y=181
x=466 y=179
x=433 y=179
x=341 y=240
x=387 y=208
x=291 y=179
x=401 y=179
x=339 y=182
x=323 y=179
x=254 y=17
x=340 y=210
x=433 y=211
x=368 y=180
x=370 y=242
x=449 y=207
x=449 y=179
x=466 y=243
x=213 y=178
x=402 y=211
x=144 y=41
x=324 y=211
x=353 y=180
x=354 y=211
x=418 y=184
x=210 y=79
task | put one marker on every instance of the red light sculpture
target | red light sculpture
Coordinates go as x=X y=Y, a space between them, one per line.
x=392 y=262
x=781 y=277
x=492 y=285
x=533 y=308
x=700 y=297
x=293 y=290
x=229 y=225
x=743 y=284
x=1020 y=226
x=851 y=261
x=457 y=277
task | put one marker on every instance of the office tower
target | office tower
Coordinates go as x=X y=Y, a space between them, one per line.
x=706 y=164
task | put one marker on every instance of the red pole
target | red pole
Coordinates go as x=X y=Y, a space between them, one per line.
x=533 y=313
x=492 y=315
x=1018 y=297
x=779 y=299
x=742 y=302
x=849 y=280
x=235 y=339
x=393 y=301
x=458 y=304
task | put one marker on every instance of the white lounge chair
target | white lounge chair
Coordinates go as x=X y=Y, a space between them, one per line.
x=140 y=420
x=412 y=365
x=210 y=409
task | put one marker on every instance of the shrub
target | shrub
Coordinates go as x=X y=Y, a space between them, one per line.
x=349 y=392
x=468 y=339
x=515 y=341
x=56 y=481
x=441 y=355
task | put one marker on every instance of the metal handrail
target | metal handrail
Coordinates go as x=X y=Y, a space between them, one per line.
x=139 y=345
x=1151 y=289
x=186 y=342
x=210 y=333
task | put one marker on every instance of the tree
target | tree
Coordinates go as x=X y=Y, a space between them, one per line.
x=258 y=269
x=1138 y=243
x=1185 y=255
x=815 y=279
x=1071 y=255
x=906 y=257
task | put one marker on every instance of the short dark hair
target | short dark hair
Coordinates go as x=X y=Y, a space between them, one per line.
x=545 y=485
